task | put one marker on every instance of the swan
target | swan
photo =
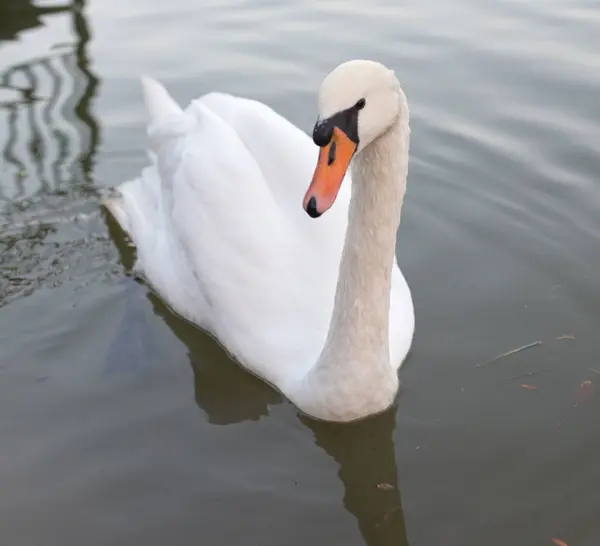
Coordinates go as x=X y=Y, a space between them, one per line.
x=228 y=232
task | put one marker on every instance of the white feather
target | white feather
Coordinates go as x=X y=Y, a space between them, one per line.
x=221 y=236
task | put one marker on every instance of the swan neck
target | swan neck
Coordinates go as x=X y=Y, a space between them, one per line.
x=360 y=319
x=355 y=357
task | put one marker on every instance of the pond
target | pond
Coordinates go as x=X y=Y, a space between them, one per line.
x=122 y=424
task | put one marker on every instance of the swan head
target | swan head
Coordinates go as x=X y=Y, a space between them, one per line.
x=358 y=102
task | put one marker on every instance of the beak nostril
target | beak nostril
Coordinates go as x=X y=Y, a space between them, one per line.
x=311 y=208
x=331 y=154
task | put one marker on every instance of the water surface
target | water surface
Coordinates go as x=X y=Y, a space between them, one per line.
x=122 y=425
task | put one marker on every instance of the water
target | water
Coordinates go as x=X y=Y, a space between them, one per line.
x=121 y=424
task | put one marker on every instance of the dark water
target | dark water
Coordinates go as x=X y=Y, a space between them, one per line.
x=120 y=424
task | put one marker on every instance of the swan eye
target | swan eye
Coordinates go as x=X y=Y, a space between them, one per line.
x=360 y=104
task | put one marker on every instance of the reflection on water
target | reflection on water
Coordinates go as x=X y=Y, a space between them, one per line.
x=366 y=457
x=364 y=451
x=20 y=15
x=51 y=130
x=222 y=390
x=48 y=145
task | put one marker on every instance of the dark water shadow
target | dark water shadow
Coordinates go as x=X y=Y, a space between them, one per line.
x=225 y=392
x=367 y=468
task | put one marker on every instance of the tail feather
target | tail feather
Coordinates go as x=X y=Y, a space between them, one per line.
x=167 y=120
x=159 y=104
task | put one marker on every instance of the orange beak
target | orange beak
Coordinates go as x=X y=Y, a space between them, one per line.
x=332 y=165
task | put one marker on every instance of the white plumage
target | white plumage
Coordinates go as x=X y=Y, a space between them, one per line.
x=222 y=237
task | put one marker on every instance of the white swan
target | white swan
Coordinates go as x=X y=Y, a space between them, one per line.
x=221 y=236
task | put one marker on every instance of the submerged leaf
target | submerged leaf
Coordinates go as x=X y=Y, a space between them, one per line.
x=585 y=391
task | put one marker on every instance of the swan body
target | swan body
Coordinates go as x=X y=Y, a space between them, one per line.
x=318 y=308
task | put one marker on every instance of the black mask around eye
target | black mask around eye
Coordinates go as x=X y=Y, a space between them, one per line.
x=345 y=120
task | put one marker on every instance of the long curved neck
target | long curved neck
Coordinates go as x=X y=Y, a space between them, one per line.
x=355 y=358
x=360 y=319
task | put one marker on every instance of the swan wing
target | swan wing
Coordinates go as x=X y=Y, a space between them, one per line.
x=218 y=236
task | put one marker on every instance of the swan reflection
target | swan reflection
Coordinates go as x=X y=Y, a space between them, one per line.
x=364 y=451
